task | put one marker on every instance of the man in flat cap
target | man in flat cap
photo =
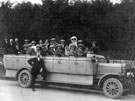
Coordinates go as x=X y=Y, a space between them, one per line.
x=51 y=50
x=53 y=42
x=26 y=46
x=63 y=45
x=80 y=50
x=59 y=51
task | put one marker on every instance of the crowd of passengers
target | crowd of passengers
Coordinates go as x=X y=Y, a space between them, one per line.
x=75 y=48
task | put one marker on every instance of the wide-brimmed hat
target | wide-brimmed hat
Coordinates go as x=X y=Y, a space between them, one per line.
x=53 y=39
x=33 y=42
x=62 y=40
x=26 y=40
x=73 y=37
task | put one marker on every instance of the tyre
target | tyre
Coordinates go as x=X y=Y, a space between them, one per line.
x=25 y=78
x=112 y=88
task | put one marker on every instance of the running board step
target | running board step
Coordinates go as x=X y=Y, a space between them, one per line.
x=76 y=89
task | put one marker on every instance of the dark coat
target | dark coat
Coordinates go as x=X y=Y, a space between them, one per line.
x=12 y=49
x=36 y=65
x=6 y=47
x=95 y=50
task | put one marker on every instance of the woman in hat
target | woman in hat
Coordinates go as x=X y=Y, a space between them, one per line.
x=73 y=41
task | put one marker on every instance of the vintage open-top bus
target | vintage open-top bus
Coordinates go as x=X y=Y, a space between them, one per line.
x=84 y=71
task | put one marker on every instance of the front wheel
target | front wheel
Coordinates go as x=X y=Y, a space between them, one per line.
x=113 y=88
x=25 y=78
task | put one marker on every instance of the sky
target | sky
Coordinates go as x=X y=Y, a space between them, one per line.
x=39 y=1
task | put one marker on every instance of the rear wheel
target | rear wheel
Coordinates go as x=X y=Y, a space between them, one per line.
x=25 y=78
x=113 y=88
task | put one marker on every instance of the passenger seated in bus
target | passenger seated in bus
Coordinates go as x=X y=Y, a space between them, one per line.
x=80 y=50
x=94 y=48
x=26 y=47
x=6 y=46
x=59 y=51
x=86 y=51
x=17 y=42
x=73 y=41
x=51 y=50
x=42 y=50
x=33 y=48
x=62 y=42
x=33 y=45
x=18 y=50
x=40 y=43
x=66 y=50
x=12 y=48
x=53 y=42
x=73 y=50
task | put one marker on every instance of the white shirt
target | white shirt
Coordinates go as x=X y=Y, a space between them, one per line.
x=38 y=59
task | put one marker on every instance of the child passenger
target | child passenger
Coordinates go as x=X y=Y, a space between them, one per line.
x=73 y=50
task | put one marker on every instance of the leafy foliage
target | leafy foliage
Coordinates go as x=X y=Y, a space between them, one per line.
x=112 y=26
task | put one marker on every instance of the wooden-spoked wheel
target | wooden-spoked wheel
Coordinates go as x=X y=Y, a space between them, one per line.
x=113 y=88
x=25 y=78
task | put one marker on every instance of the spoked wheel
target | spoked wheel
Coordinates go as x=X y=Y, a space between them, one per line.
x=25 y=78
x=113 y=88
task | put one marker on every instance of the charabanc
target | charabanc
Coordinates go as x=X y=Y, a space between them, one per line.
x=85 y=72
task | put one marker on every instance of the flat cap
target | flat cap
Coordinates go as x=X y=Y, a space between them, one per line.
x=53 y=39
x=26 y=40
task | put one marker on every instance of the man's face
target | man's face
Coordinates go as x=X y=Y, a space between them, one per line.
x=26 y=42
x=62 y=42
x=40 y=41
x=59 y=48
x=16 y=39
x=53 y=41
x=6 y=40
x=93 y=44
x=17 y=47
x=33 y=44
x=11 y=40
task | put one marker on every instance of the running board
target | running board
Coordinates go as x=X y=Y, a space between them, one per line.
x=73 y=88
x=68 y=87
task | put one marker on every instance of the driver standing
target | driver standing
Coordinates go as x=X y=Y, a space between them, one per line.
x=38 y=66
